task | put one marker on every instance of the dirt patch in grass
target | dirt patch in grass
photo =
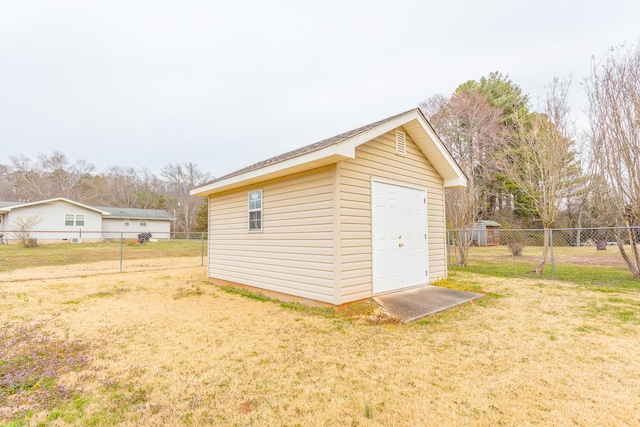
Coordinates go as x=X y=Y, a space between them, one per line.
x=168 y=348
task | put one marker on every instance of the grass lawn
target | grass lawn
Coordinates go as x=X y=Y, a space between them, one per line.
x=16 y=257
x=169 y=348
x=583 y=265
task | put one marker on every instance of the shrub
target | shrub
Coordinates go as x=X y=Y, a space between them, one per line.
x=516 y=248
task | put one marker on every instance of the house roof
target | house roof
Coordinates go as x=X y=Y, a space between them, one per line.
x=5 y=204
x=341 y=147
x=8 y=206
x=110 y=212
x=133 y=213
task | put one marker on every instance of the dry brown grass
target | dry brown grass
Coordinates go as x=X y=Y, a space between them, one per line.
x=168 y=348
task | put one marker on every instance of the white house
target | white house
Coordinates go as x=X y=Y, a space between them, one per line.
x=64 y=220
x=343 y=219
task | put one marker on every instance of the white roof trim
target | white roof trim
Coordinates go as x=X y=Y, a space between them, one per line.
x=324 y=156
x=452 y=175
x=57 y=199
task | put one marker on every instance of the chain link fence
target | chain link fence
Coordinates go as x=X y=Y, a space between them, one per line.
x=32 y=255
x=574 y=254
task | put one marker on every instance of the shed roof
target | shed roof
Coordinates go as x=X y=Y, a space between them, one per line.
x=341 y=147
x=489 y=223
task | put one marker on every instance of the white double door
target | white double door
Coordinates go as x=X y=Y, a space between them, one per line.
x=399 y=234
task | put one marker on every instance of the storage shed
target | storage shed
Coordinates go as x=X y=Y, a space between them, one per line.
x=486 y=233
x=343 y=219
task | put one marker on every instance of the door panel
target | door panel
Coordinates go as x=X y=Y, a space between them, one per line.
x=399 y=226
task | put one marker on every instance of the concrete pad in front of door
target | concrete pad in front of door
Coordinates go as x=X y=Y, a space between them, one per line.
x=414 y=304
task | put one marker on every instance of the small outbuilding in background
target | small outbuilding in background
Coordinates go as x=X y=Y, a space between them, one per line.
x=486 y=233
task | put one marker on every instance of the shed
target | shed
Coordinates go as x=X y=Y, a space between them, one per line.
x=486 y=233
x=343 y=219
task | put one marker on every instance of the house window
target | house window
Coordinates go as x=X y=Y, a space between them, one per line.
x=126 y=222
x=143 y=223
x=74 y=220
x=255 y=210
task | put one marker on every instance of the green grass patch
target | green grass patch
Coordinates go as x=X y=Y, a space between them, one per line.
x=585 y=268
x=258 y=296
x=327 y=312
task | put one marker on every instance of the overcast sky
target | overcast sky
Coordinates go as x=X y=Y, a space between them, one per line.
x=227 y=84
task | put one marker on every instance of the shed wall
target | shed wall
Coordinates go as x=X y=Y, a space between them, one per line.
x=378 y=159
x=293 y=253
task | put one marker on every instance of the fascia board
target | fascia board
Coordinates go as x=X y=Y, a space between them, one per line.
x=327 y=155
x=461 y=178
x=455 y=183
x=58 y=199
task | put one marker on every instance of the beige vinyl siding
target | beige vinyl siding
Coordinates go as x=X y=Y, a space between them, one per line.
x=378 y=159
x=294 y=252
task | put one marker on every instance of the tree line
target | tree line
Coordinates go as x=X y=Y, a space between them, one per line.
x=527 y=168
x=53 y=175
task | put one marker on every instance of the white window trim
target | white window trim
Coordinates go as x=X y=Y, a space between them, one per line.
x=249 y=211
x=143 y=223
x=127 y=222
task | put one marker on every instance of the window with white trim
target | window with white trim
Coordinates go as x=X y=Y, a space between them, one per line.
x=143 y=223
x=72 y=220
x=126 y=222
x=255 y=210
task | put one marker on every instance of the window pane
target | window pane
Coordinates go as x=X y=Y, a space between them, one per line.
x=255 y=200
x=80 y=220
x=126 y=222
x=255 y=220
x=143 y=223
x=68 y=219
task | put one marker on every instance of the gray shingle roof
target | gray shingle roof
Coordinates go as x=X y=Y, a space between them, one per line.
x=307 y=148
x=5 y=204
x=134 y=213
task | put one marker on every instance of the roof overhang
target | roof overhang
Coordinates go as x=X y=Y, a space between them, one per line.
x=57 y=199
x=413 y=122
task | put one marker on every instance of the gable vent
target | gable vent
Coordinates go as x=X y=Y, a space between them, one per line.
x=401 y=143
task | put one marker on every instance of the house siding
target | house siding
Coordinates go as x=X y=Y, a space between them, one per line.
x=51 y=227
x=113 y=228
x=378 y=159
x=294 y=252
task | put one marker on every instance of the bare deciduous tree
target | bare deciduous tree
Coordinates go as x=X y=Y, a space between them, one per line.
x=469 y=127
x=540 y=161
x=181 y=178
x=23 y=227
x=613 y=91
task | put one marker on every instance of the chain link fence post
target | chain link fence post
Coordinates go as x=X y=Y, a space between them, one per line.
x=553 y=263
x=121 y=244
x=448 y=249
x=202 y=243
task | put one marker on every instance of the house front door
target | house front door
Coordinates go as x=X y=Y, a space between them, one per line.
x=399 y=236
